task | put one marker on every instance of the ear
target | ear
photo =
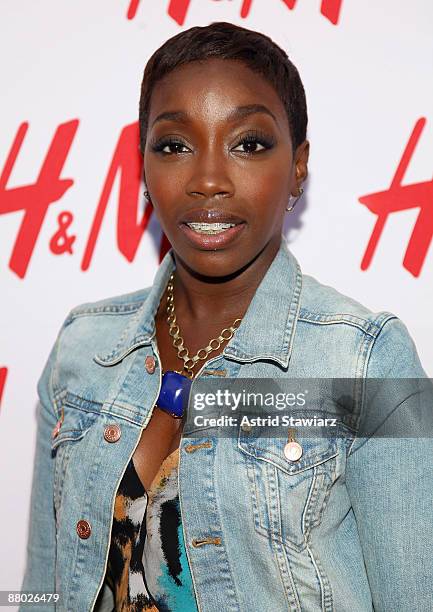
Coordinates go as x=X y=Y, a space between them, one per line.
x=301 y=163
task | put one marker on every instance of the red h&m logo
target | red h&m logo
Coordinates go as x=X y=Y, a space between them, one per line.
x=3 y=374
x=404 y=197
x=178 y=9
x=35 y=199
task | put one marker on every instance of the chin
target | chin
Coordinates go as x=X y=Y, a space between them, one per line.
x=218 y=263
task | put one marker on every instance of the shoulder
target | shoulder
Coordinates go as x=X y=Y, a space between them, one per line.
x=123 y=304
x=91 y=328
x=389 y=348
x=324 y=305
x=104 y=319
x=101 y=325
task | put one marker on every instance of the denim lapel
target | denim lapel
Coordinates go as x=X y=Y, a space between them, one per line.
x=267 y=328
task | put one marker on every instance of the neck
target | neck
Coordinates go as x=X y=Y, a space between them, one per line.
x=223 y=299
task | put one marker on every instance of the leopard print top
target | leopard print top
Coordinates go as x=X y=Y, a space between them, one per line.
x=147 y=565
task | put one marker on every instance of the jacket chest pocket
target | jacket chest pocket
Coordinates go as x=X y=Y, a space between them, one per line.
x=288 y=497
x=65 y=442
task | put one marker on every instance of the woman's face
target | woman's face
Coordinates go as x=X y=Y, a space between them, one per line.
x=219 y=149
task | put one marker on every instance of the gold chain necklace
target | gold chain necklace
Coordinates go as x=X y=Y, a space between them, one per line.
x=178 y=342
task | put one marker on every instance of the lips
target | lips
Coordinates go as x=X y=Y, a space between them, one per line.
x=212 y=242
x=202 y=215
x=208 y=241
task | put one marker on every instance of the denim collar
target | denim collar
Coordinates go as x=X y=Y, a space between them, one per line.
x=276 y=302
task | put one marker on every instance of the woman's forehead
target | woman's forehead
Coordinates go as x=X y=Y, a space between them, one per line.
x=214 y=86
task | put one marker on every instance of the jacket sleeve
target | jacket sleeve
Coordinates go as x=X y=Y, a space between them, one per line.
x=41 y=543
x=389 y=476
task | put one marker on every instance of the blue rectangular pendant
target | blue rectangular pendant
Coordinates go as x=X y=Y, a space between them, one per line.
x=174 y=395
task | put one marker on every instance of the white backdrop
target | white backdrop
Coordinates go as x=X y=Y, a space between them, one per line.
x=71 y=74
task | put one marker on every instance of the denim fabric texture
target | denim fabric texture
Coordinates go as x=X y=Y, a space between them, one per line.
x=347 y=528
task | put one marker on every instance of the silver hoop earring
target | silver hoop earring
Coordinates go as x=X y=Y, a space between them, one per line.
x=292 y=206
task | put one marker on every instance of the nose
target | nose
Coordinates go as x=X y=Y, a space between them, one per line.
x=210 y=176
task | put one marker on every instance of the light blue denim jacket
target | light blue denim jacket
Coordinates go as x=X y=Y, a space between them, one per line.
x=348 y=527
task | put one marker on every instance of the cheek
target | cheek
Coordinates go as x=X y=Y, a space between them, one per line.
x=161 y=174
x=267 y=190
x=166 y=187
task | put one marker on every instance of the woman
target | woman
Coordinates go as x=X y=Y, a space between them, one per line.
x=245 y=522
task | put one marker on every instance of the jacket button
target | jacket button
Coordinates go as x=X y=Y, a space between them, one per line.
x=149 y=364
x=84 y=529
x=293 y=451
x=112 y=432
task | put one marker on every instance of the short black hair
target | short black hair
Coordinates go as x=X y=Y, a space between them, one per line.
x=228 y=41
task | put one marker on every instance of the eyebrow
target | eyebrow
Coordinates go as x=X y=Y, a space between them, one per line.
x=240 y=112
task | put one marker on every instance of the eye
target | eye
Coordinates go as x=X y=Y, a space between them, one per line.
x=254 y=142
x=169 y=146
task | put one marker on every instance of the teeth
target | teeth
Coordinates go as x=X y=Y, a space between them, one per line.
x=210 y=228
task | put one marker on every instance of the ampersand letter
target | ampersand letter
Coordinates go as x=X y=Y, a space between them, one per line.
x=62 y=243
